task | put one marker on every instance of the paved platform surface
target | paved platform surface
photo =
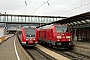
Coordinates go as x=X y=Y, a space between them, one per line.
x=7 y=51
x=82 y=44
x=82 y=47
x=11 y=49
x=51 y=53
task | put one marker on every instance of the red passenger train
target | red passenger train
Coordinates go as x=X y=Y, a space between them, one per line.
x=56 y=36
x=28 y=36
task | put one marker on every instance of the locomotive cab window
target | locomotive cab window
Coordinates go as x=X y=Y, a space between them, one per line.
x=61 y=28
x=30 y=32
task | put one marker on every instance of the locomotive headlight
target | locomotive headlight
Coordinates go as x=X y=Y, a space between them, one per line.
x=26 y=39
x=69 y=40
x=62 y=34
x=58 y=40
x=33 y=39
x=36 y=42
x=68 y=37
x=59 y=37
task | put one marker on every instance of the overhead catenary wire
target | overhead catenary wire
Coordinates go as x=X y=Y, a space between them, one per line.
x=75 y=8
x=41 y=6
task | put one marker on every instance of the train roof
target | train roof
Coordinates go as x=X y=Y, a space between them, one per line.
x=48 y=26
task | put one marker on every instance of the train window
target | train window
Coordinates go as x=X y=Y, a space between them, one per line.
x=61 y=28
x=30 y=32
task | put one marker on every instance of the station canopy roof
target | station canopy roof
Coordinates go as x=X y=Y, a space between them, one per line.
x=79 y=21
x=84 y=16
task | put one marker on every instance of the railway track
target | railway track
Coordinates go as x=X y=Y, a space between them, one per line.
x=37 y=54
x=74 y=55
x=70 y=54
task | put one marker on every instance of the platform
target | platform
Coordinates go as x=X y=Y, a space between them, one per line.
x=82 y=44
x=82 y=47
x=7 y=50
x=10 y=49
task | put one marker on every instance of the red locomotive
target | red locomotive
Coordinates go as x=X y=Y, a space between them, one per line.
x=28 y=36
x=56 y=36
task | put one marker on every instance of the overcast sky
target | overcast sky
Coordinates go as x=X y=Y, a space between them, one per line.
x=45 y=7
